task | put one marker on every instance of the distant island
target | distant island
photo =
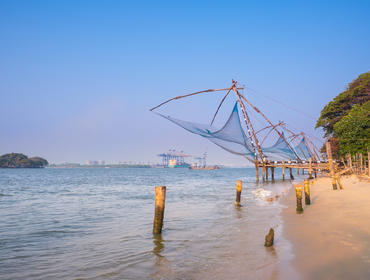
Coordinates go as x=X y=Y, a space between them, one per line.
x=15 y=160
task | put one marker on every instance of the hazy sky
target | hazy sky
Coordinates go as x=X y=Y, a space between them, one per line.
x=77 y=78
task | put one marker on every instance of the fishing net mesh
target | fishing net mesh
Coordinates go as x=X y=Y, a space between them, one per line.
x=232 y=138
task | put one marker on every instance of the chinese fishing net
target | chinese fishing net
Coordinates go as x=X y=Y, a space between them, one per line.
x=232 y=138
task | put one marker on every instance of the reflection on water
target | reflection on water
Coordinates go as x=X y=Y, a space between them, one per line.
x=158 y=245
x=97 y=224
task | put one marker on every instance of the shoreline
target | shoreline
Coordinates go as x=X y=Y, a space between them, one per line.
x=331 y=239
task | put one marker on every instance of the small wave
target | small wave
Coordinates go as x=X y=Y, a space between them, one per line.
x=261 y=193
x=3 y=194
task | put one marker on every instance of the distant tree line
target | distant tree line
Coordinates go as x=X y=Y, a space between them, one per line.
x=346 y=119
x=15 y=160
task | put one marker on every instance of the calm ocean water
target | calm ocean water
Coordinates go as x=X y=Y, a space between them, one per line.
x=97 y=224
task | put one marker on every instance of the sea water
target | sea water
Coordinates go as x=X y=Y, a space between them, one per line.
x=96 y=223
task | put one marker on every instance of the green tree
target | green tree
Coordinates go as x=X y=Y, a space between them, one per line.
x=353 y=130
x=358 y=92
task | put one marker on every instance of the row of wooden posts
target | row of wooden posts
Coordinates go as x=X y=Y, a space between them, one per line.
x=311 y=167
x=357 y=163
x=307 y=195
x=160 y=198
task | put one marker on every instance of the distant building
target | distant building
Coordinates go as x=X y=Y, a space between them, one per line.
x=92 y=162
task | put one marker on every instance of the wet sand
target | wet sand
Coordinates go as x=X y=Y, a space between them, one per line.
x=331 y=239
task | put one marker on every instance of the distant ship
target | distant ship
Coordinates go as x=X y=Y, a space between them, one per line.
x=208 y=167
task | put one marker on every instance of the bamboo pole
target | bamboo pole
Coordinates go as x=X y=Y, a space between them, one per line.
x=283 y=170
x=307 y=192
x=298 y=193
x=277 y=131
x=160 y=197
x=238 y=192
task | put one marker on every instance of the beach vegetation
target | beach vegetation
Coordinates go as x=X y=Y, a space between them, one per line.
x=353 y=130
x=345 y=119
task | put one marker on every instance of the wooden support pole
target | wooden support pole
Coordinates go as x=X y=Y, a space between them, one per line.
x=310 y=169
x=269 y=239
x=338 y=181
x=291 y=174
x=160 y=198
x=256 y=165
x=298 y=193
x=272 y=173
x=331 y=167
x=267 y=173
x=238 y=192
x=283 y=170
x=307 y=198
x=334 y=183
x=361 y=166
x=263 y=172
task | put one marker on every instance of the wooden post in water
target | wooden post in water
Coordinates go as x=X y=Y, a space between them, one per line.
x=256 y=164
x=272 y=173
x=238 y=192
x=267 y=173
x=331 y=167
x=291 y=174
x=160 y=197
x=298 y=193
x=307 y=198
x=263 y=172
x=283 y=170
x=269 y=239
x=310 y=169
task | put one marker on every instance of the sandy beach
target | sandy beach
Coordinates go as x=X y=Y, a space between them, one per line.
x=331 y=239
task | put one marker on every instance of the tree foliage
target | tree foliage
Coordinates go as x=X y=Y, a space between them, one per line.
x=15 y=160
x=358 y=92
x=353 y=130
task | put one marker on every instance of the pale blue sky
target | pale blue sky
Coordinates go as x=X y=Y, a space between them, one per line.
x=77 y=77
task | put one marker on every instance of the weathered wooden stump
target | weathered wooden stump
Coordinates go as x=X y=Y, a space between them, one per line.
x=298 y=193
x=238 y=192
x=160 y=197
x=307 y=198
x=269 y=239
